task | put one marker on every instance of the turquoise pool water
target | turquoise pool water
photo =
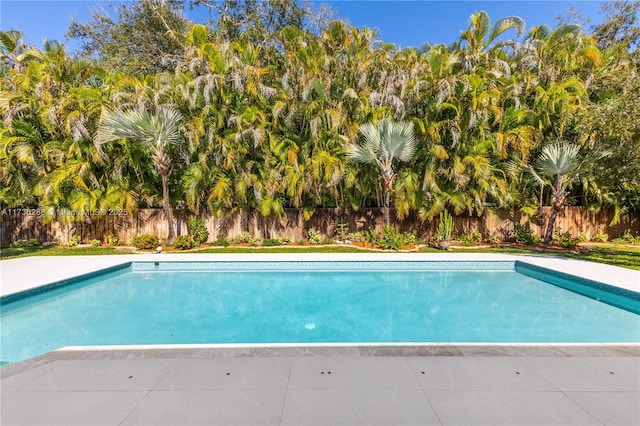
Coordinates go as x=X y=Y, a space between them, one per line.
x=158 y=303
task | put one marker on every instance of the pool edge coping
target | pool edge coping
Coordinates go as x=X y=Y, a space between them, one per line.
x=119 y=263
x=438 y=349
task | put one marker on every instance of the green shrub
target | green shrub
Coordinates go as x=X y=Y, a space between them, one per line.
x=465 y=239
x=198 y=230
x=627 y=238
x=113 y=240
x=565 y=240
x=600 y=238
x=144 y=242
x=24 y=243
x=314 y=237
x=280 y=241
x=524 y=235
x=583 y=237
x=96 y=243
x=183 y=242
x=270 y=242
x=371 y=236
x=469 y=239
x=494 y=239
x=74 y=241
x=354 y=237
x=410 y=238
x=326 y=240
x=243 y=238
x=284 y=240
x=391 y=240
x=220 y=241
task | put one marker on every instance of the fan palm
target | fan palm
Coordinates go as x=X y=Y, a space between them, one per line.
x=559 y=161
x=384 y=142
x=156 y=132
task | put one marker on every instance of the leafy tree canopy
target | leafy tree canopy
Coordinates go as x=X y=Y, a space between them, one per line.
x=259 y=21
x=142 y=37
x=621 y=26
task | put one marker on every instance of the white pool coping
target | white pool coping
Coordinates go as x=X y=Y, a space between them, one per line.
x=21 y=274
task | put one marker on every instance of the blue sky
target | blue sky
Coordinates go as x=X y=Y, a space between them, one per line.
x=405 y=23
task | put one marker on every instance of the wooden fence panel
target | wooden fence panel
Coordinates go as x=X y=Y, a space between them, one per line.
x=23 y=224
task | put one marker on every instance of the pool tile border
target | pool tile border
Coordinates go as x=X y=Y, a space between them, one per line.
x=616 y=296
x=320 y=265
x=14 y=297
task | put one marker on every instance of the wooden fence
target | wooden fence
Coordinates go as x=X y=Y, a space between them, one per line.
x=19 y=224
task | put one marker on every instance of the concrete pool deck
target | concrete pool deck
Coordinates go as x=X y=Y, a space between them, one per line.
x=458 y=384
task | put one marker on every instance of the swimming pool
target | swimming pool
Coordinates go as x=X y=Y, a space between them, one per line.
x=303 y=302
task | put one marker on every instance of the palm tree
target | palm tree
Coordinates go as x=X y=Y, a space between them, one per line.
x=384 y=142
x=156 y=132
x=477 y=42
x=560 y=161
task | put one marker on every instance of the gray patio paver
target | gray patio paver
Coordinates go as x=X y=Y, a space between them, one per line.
x=478 y=373
x=82 y=408
x=507 y=408
x=97 y=389
x=228 y=373
x=371 y=373
x=610 y=408
x=18 y=381
x=590 y=373
x=357 y=407
x=209 y=407
x=107 y=375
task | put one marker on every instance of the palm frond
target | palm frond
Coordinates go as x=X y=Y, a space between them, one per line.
x=384 y=142
x=559 y=158
x=399 y=141
x=159 y=129
x=505 y=24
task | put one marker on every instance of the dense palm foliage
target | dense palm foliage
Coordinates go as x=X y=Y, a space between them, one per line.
x=270 y=125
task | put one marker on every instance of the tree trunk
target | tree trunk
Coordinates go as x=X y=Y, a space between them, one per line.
x=385 y=209
x=166 y=206
x=558 y=205
x=548 y=235
x=387 y=182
